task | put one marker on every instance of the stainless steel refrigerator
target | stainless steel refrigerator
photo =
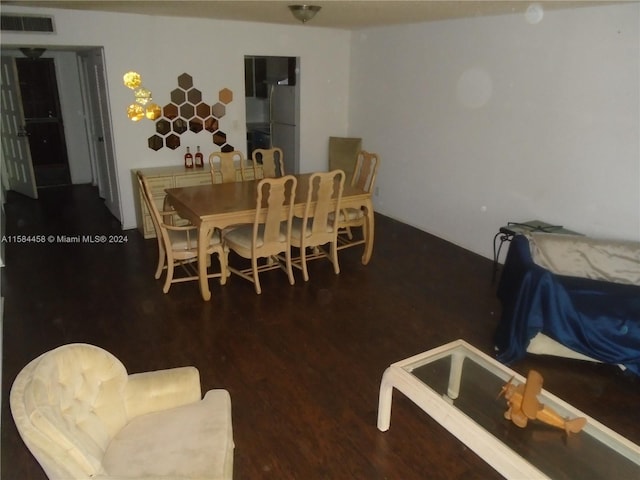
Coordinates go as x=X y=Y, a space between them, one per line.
x=283 y=118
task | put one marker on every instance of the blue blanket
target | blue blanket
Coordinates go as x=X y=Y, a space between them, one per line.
x=596 y=318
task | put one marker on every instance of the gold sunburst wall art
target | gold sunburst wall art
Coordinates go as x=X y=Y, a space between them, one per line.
x=142 y=107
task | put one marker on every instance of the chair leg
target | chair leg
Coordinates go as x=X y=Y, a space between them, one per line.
x=287 y=257
x=256 y=278
x=161 y=259
x=223 y=257
x=167 y=281
x=303 y=263
x=334 y=256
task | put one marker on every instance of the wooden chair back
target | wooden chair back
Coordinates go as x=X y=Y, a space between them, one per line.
x=277 y=195
x=272 y=161
x=320 y=216
x=223 y=166
x=364 y=175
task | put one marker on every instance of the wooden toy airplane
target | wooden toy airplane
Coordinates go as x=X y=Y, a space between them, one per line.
x=524 y=405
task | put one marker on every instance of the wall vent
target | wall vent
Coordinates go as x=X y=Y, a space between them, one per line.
x=26 y=23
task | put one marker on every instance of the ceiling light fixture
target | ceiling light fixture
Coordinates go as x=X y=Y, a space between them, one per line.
x=304 y=13
x=33 y=53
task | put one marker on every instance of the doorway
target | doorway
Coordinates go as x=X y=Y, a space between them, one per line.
x=86 y=154
x=44 y=125
x=272 y=103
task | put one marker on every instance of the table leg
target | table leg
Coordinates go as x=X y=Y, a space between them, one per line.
x=368 y=231
x=204 y=234
x=384 y=402
x=455 y=375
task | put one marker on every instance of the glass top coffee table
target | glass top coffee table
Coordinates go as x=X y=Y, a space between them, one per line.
x=458 y=386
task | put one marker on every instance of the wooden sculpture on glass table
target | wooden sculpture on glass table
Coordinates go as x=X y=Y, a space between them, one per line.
x=523 y=404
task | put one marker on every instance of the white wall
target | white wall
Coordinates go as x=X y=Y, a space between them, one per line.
x=487 y=120
x=212 y=52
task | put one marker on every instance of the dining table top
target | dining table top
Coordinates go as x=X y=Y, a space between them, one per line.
x=233 y=198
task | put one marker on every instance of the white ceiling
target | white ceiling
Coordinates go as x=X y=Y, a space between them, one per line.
x=335 y=13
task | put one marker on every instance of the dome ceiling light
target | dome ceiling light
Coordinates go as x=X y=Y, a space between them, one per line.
x=304 y=13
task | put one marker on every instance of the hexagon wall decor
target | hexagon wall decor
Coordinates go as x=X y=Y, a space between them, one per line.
x=188 y=112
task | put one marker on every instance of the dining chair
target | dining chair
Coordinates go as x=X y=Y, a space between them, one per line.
x=270 y=234
x=178 y=245
x=364 y=178
x=272 y=161
x=319 y=224
x=223 y=166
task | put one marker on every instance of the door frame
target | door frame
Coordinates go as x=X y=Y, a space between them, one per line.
x=258 y=107
x=98 y=127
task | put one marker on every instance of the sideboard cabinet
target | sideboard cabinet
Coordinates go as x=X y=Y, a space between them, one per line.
x=160 y=178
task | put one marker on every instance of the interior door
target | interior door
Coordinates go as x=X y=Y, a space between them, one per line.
x=16 y=155
x=99 y=128
x=43 y=120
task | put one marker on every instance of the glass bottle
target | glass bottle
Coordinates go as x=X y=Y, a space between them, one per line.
x=188 y=159
x=199 y=158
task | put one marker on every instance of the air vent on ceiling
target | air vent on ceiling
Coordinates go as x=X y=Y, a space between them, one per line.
x=26 y=23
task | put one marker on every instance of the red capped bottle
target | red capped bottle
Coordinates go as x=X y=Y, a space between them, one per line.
x=188 y=159
x=199 y=158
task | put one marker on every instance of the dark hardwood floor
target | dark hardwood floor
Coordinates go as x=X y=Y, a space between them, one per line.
x=302 y=363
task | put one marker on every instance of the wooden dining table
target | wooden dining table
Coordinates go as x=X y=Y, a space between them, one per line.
x=222 y=205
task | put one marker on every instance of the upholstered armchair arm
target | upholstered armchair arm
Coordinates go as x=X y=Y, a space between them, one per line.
x=161 y=389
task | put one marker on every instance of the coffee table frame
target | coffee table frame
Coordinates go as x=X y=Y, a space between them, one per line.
x=440 y=407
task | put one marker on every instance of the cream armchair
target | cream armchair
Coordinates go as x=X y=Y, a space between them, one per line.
x=82 y=416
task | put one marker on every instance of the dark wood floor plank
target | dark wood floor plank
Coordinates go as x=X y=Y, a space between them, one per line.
x=302 y=363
